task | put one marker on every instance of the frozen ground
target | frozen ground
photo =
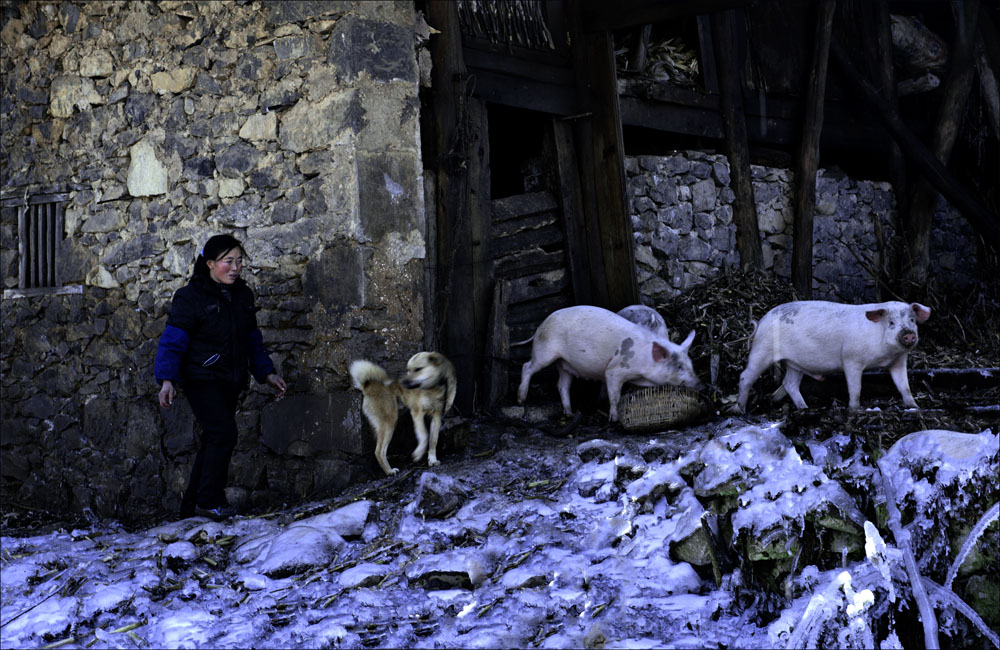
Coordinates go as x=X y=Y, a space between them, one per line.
x=541 y=542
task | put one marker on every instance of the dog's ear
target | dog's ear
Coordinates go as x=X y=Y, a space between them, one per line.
x=435 y=358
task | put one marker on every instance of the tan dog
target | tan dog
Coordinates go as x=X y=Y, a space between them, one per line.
x=428 y=389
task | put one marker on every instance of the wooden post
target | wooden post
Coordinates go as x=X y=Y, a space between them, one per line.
x=887 y=78
x=737 y=148
x=808 y=161
x=461 y=300
x=985 y=222
x=581 y=263
x=602 y=163
x=956 y=92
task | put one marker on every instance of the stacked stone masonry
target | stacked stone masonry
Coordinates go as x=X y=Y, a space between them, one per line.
x=682 y=213
x=292 y=125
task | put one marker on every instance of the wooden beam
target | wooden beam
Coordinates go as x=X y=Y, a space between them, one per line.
x=460 y=324
x=887 y=78
x=737 y=147
x=808 y=161
x=949 y=119
x=602 y=165
x=985 y=222
x=602 y=15
x=574 y=223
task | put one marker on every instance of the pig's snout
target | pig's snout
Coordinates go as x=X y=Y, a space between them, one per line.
x=908 y=338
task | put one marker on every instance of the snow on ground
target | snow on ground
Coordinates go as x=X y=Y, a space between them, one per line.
x=544 y=542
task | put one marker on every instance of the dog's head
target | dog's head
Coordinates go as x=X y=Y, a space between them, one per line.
x=424 y=370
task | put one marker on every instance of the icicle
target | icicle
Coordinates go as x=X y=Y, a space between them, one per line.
x=952 y=599
x=927 y=616
x=806 y=632
x=970 y=542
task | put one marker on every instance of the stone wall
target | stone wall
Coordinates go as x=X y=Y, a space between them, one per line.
x=293 y=126
x=684 y=234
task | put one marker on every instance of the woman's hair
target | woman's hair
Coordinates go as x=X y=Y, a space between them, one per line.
x=215 y=247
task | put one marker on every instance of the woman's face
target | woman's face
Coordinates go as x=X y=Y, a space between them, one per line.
x=226 y=268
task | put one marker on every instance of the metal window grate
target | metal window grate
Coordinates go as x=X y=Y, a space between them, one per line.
x=40 y=230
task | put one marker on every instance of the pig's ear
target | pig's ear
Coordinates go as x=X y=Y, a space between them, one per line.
x=687 y=342
x=659 y=352
x=923 y=313
x=875 y=315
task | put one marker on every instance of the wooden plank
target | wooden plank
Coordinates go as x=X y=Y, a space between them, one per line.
x=523 y=204
x=571 y=200
x=529 y=94
x=530 y=314
x=526 y=222
x=804 y=199
x=542 y=68
x=671 y=118
x=737 y=146
x=957 y=85
x=527 y=262
x=499 y=346
x=986 y=223
x=532 y=287
x=545 y=237
x=602 y=15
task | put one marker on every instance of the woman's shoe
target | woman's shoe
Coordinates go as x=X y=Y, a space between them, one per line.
x=216 y=514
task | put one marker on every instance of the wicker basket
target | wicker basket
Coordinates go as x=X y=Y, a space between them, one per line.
x=660 y=407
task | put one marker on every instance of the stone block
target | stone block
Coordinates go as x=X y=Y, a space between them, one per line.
x=703 y=196
x=68 y=92
x=315 y=125
x=260 y=127
x=97 y=64
x=146 y=174
x=389 y=193
x=173 y=81
x=314 y=424
x=230 y=187
x=335 y=278
x=237 y=160
x=110 y=219
x=382 y=51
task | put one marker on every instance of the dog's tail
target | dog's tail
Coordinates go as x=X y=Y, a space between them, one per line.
x=527 y=340
x=364 y=373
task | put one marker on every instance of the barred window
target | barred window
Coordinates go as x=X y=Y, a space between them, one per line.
x=40 y=236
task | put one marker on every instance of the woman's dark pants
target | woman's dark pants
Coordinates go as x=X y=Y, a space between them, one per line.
x=214 y=406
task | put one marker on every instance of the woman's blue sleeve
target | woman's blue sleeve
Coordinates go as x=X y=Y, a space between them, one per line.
x=260 y=361
x=169 y=353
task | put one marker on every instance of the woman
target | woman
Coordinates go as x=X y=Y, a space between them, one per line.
x=210 y=342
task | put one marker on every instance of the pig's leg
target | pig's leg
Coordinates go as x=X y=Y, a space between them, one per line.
x=614 y=384
x=527 y=370
x=757 y=363
x=852 y=372
x=793 y=377
x=565 y=380
x=898 y=373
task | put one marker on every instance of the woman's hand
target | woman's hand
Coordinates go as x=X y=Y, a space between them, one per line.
x=167 y=393
x=279 y=384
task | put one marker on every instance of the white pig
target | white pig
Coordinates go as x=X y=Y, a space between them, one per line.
x=594 y=343
x=647 y=317
x=816 y=338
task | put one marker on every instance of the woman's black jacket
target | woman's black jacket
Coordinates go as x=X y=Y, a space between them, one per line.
x=212 y=334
